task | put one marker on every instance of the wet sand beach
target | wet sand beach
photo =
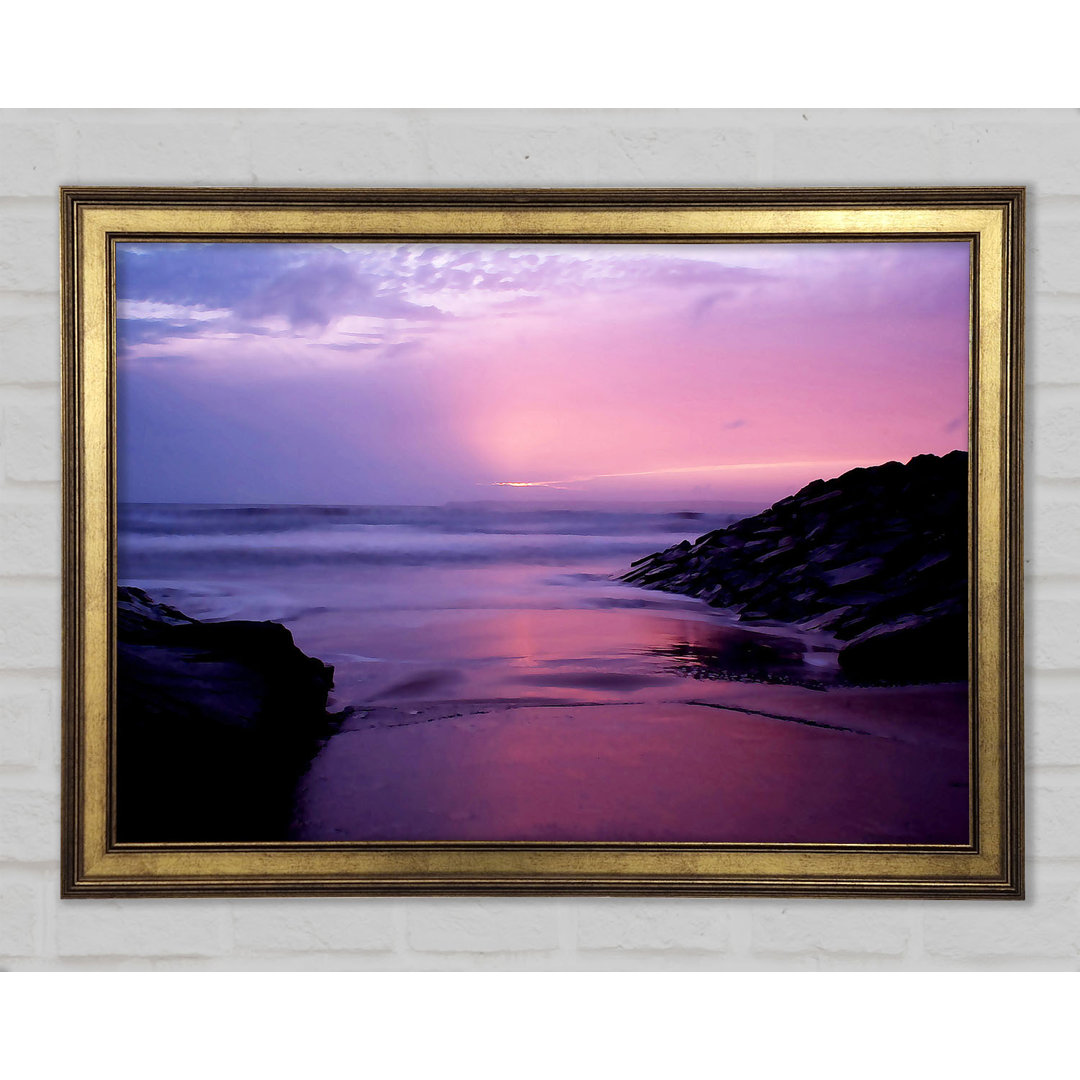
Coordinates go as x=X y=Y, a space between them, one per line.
x=623 y=745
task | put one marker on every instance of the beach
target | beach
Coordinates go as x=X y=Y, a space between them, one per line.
x=495 y=681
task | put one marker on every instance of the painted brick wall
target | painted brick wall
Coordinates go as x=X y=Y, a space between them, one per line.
x=40 y=149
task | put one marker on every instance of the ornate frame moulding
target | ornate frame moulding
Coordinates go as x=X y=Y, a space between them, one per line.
x=97 y=863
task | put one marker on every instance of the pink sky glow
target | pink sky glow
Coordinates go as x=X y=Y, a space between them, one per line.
x=432 y=373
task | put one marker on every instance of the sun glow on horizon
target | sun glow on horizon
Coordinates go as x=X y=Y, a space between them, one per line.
x=822 y=466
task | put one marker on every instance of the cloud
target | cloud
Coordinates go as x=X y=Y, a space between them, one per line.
x=310 y=284
x=703 y=305
x=207 y=275
x=329 y=284
x=305 y=284
x=154 y=310
x=358 y=300
x=214 y=293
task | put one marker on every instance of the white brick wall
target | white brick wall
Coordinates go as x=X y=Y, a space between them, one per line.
x=39 y=150
x=306 y=926
x=654 y=926
x=29 y=232
x=143 y=928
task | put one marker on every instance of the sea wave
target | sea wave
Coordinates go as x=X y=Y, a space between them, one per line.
x=163 y=537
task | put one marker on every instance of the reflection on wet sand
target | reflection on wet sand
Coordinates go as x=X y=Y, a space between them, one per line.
x=738 y=654
x=618 y=723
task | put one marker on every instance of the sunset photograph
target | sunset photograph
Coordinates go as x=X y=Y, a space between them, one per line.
x=549 y=542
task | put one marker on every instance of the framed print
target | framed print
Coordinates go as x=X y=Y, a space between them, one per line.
x=543 y=541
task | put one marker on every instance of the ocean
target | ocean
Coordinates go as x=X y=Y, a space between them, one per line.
x=400 y=587
x=501 y=683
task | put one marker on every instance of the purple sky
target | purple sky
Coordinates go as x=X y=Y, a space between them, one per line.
x=319 y=373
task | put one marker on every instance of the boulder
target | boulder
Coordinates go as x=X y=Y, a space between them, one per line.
x=215 y=722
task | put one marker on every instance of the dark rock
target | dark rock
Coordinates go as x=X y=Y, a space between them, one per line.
x=215 y=723
x=855 y=571
x=862 y=553
x=823 y=498
x=935 y=648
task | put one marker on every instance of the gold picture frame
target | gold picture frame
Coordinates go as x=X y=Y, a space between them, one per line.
x=95 y=220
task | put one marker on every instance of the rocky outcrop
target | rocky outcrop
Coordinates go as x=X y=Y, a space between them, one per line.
x=877 y=556
x=915 y=648
x=215 y=722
